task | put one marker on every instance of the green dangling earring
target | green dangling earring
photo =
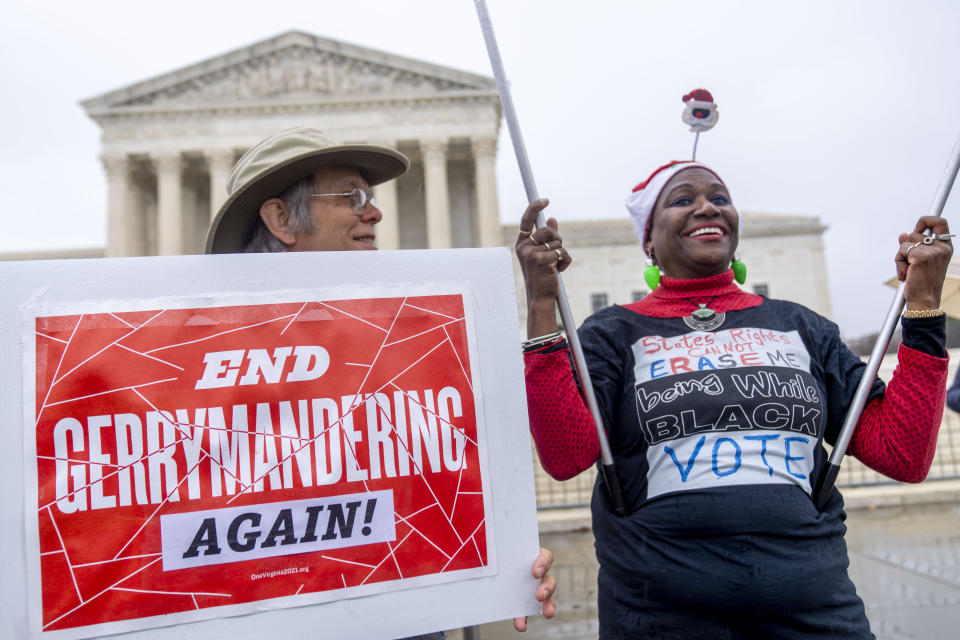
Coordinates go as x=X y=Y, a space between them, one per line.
x=651 y=274
x=739 y=270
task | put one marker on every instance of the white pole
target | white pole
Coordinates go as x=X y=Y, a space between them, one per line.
x=822 y=493
x=520 y=150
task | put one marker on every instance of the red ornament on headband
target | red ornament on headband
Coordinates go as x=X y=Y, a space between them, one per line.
x=700 y=113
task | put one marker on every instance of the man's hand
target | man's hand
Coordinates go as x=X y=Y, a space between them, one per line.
x=544 y=591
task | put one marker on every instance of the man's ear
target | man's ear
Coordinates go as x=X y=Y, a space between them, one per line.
x=276 y=216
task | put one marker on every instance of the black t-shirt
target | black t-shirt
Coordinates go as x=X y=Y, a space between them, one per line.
x=718 y=440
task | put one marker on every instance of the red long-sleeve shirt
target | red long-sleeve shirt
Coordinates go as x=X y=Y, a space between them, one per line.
x=895 y=435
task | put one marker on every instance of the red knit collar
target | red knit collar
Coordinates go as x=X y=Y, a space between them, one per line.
x=677 y=297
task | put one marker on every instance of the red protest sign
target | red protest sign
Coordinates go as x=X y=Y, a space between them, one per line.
x=189 y=459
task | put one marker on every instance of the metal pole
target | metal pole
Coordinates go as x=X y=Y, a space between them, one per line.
x=822 y=493
x=580 y=364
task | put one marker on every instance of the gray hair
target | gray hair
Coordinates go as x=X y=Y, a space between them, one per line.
x=297 y=199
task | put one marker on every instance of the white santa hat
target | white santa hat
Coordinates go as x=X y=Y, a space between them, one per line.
x=644 y=196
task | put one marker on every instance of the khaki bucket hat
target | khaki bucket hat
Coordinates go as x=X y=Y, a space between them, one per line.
x=272 y=165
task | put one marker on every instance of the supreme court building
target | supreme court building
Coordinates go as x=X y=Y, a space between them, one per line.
x=170 y=141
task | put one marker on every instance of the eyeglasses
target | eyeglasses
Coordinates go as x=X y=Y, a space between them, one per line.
x=359 y=198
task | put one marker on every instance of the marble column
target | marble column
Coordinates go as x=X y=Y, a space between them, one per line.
x=437 y=194
x=117 y=167
x=388 y=230
x=488 y=213
x=219 y=164
x=169 y=204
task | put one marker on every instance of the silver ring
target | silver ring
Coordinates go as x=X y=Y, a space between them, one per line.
x=945 y=237
x=914 y=246
x=559 y=255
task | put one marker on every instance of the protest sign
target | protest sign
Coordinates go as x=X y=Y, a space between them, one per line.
x=193 y=451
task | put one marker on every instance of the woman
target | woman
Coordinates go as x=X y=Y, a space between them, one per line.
x=717 y=403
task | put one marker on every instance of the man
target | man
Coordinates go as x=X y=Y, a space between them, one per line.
x=296 y=191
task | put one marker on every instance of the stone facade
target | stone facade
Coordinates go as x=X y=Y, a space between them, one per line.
x=784 y=257
x=53 y=254
x=169 y=142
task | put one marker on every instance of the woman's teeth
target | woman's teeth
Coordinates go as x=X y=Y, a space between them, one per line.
x=706 y=230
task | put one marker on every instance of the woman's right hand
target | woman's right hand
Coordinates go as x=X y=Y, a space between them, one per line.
x=542 y=257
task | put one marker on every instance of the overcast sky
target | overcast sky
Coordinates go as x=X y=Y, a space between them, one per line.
x=843 y=110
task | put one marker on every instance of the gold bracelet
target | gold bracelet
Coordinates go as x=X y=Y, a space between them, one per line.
x=923 y=313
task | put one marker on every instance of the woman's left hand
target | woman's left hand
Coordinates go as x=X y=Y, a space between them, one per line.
x=545 y=589
x=923 y=266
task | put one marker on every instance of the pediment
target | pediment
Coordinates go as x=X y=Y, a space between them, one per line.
x=292 y=66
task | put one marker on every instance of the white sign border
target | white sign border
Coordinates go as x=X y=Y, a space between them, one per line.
x=486 y=272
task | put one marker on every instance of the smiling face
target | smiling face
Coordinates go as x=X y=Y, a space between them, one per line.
x=336 y=226
x=694 y=226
